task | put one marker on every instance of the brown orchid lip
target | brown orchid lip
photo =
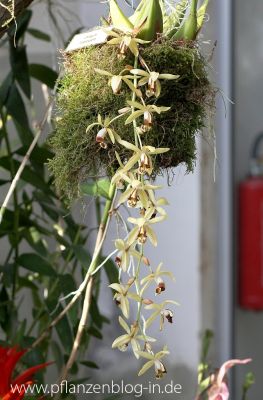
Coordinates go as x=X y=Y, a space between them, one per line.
x=133 y=199
x=148 y=120
x=142 y=235
x=160 y=369
x=145 y=164
x=118 y=261
x=160 y=288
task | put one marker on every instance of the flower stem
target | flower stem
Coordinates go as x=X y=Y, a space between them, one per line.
x=89 y=287
x=135 y=82
x=99 y=242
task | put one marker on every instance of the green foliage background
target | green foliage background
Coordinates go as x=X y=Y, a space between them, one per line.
x=56 y=257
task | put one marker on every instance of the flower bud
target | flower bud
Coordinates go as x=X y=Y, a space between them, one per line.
x=146 y=261
x=147 y=302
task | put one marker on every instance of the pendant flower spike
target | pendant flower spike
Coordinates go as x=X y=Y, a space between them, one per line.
x=15 y=388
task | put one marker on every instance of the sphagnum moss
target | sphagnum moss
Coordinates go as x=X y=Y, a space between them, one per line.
x=84 y=94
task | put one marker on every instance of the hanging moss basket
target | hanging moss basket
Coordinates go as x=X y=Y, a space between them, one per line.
x=84 y=94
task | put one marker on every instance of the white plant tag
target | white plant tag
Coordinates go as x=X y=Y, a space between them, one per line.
x=92 y=37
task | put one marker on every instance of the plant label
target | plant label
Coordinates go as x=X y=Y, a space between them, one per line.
x=93 y=37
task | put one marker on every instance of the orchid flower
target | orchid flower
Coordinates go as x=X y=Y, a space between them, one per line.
x=126 y=251
x=131 y=337
x=156 y=276
x=143 y=230
x=126 y=40
x=219 y=389
x=152 y=79
x=105 y=129
x=146 y=111
x=154 y=361
x=115 y=81
x=121 y=296
x=137 y=193
x=160 y=310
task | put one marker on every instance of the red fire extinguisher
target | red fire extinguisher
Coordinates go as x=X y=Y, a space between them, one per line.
x=251 y=233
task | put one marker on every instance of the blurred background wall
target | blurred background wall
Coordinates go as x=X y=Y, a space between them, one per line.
x=248 y=81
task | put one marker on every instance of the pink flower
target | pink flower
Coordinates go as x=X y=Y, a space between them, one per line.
x=219 y=389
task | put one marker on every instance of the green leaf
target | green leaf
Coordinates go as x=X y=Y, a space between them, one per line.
x=19 y=65
x=95 y=332
x=89 y=364
x=21 y=25
x=5 y=87
x=57 y=354
x=97 y=188
x=63 y=328
x=111 y=271
x=37 y=34
x=36 y=263
x=3 y=182
x=96 y=316
x=40 y=154
x=82 y=255
x=34 y=239
x=43 y=74
x=16 y=109
x=28 y=175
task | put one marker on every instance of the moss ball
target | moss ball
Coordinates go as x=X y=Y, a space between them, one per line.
x=84 y=94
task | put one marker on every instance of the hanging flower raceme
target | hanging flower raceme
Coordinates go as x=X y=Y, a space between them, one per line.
x=15 y=388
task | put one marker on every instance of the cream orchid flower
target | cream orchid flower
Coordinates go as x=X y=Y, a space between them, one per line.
x=126 y=40
x=115 y=81
x=104 y=131
x=141 y=156
x=152 y=79
x=146 y=111
x=122 y=296
x=160 y=310
x=154 y=361
x=137 y=193
x=156 y=206
x=143 y=230
x=131 y=337
x=126 y=251
x=156 y=277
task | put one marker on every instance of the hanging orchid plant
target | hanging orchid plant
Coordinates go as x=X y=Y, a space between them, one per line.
x=133 y=114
